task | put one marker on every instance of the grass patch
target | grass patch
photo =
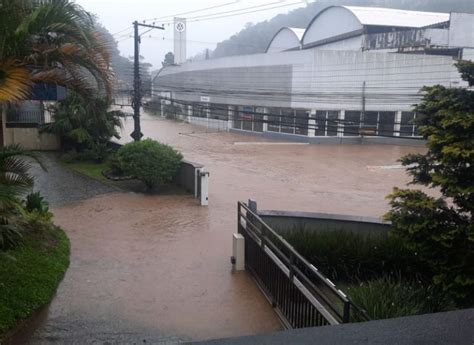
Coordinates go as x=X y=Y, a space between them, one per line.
x=30 y=274
x=91 y=169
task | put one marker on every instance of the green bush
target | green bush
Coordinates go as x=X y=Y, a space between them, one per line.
x=350 y=257
x=35 y=202
x=390 y=297
x=149 y=161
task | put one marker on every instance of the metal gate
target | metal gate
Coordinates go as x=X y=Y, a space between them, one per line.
x=300 y=294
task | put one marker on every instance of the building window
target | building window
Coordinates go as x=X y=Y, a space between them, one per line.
x=246 y=116
x=351 y=123
x=287 y=121
x=237 y=121
x=407 y=125
x=258 y=119
x=326 y=123
x=386 y=123
x=273 y=119
x=200 y=110
x=219 y=112
x=301 y=122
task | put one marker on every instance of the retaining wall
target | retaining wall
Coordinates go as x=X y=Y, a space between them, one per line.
x=284 y=221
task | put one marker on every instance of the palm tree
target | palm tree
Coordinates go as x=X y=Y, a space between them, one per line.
x=84 y=123
x=50 y=41
x=15 y=182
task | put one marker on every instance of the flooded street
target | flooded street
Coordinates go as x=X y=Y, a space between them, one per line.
x=157 y=268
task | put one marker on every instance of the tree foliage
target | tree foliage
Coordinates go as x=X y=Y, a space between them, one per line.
x=51 y=41
x=441 y=230
x=169 y=59
x=84 y=123
x=15 y=182
x=149 y=161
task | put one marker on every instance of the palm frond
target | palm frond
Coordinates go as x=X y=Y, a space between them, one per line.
x=15 y=82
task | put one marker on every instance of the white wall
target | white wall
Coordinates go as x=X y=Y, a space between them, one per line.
x=461 y=30
x=320 y=79
x=393 y=81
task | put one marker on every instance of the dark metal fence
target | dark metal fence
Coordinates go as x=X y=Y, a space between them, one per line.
x=35 y=117
x=300 y=294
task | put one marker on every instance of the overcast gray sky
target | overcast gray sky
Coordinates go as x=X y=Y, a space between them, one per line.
x=117 y=15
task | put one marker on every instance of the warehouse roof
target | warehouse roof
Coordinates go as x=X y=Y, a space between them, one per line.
x=340 y=22
x=399 y=18
x=285 y=39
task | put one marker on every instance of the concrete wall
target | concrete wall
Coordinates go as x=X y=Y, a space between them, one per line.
x=186 y=176
x=284 y=221
x=461 y=30
x=31 y=139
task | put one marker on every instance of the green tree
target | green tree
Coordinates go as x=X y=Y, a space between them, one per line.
x=50 y=41
x=441 y=230
x=84 y=123
x=169 y=59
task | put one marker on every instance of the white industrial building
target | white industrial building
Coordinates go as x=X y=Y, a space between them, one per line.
x=354 y=73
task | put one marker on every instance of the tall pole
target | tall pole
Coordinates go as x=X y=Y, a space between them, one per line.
x=137 y=97
x=137 y=83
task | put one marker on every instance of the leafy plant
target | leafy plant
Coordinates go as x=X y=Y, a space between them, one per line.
x=35 y=202
x=352 y=257
x=50 y=42
x=15 y=181
x=85 y=124
x=391 y=296
x=150 y=161
x=441 y=230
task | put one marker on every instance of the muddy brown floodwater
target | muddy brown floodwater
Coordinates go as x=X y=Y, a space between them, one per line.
x=159 y=265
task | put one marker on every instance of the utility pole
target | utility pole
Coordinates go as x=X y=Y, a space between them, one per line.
x=137 y=93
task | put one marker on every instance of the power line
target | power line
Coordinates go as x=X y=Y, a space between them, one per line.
x=194 y=11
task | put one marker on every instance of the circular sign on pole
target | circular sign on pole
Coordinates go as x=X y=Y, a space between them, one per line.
x=180 y=26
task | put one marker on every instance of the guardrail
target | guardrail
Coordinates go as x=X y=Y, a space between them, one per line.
x=301 y=295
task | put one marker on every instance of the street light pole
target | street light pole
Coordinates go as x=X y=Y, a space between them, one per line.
x=137 y=94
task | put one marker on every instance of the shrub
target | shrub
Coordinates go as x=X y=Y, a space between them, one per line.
x=149 y=161
x=390 y=297
x=352 y=257
x=35 y=202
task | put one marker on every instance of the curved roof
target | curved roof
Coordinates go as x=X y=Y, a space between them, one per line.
x=338 y=20
x=400 y=18
x=286 y=38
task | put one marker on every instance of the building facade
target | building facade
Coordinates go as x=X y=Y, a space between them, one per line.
x=354 y=73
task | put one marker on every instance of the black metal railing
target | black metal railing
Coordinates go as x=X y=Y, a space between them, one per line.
x=301 y=295
x=37 y=117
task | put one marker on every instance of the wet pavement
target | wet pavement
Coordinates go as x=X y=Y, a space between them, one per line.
x=156 y=269
x=60 y=185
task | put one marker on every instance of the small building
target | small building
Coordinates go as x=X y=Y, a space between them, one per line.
x=354 y=73
x=20 y=123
